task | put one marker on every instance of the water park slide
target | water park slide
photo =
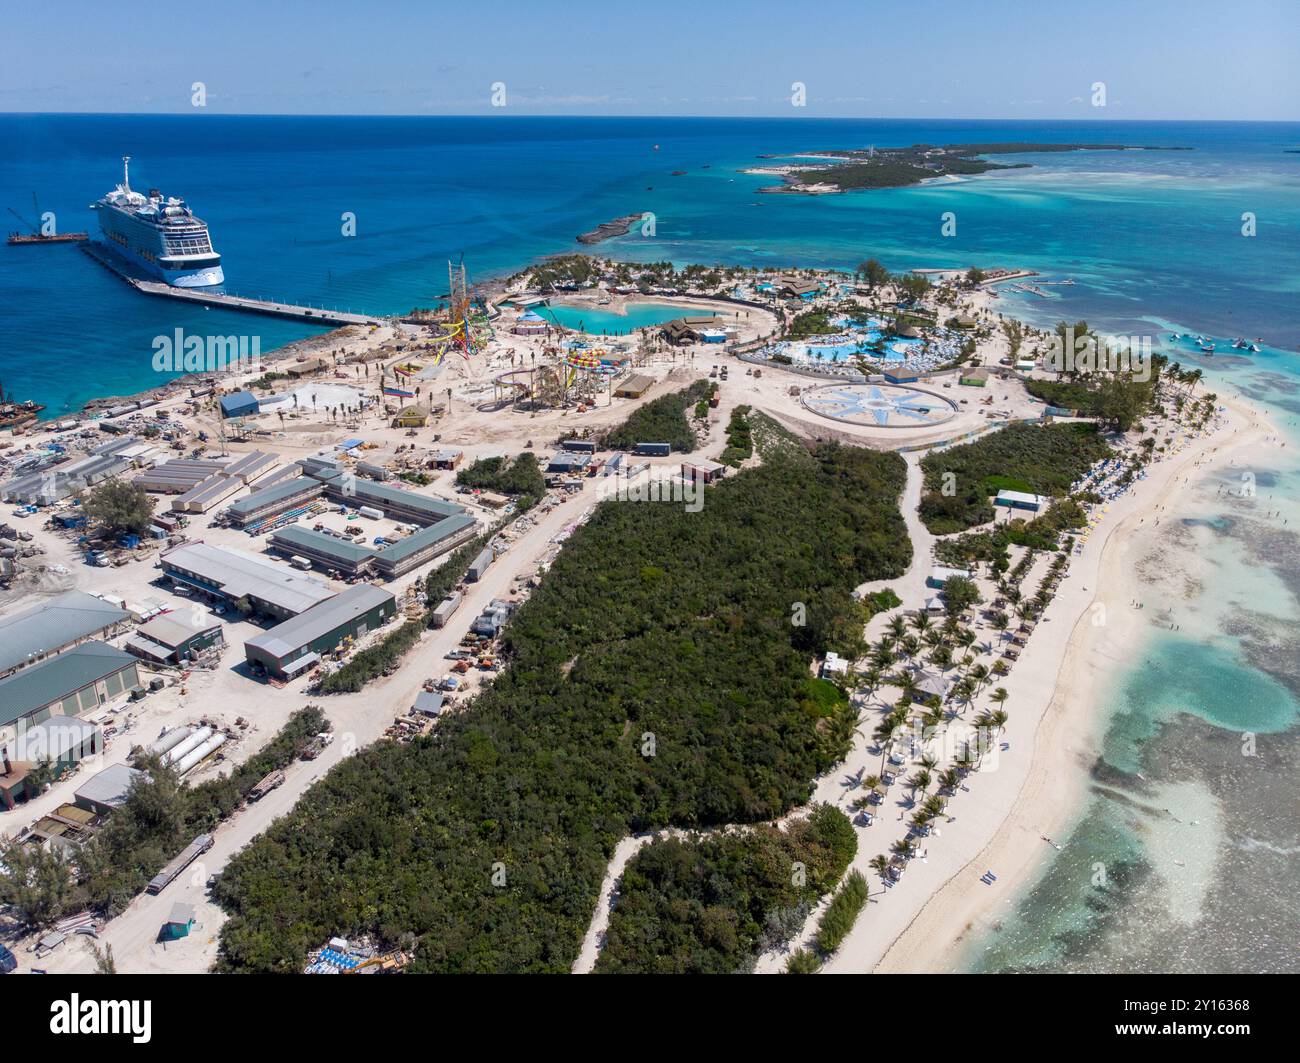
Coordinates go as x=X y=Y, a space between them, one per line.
x=523 y=391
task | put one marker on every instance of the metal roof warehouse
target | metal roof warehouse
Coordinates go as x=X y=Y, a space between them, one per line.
x=230 y=574
x=71 y=683
x=320 y=629
x=40 y=630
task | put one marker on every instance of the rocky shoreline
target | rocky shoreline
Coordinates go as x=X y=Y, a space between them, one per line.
x=610 y=229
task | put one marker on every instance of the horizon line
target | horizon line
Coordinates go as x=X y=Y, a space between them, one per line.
x=496 y=114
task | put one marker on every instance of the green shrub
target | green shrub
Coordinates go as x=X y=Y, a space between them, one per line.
x=842 y=913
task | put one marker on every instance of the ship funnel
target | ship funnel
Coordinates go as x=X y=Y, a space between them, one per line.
x=126 y=173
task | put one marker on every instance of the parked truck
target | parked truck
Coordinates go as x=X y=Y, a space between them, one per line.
x=189 y=854
x=266 y=785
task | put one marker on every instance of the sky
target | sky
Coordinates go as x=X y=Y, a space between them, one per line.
x=1019 y=59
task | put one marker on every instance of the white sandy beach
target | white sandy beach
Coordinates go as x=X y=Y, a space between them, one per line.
x=1038 y=785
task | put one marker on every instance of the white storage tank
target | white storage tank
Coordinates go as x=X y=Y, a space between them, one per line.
x=192 y=742
x=170 y=740
x=195 y=756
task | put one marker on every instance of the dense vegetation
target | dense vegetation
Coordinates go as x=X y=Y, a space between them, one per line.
x=740 y=439
x=663 y=420
x=659 y=676
x=160 y=817
x=714 y=905
x=812 y=323
x=1117 y=399
x=1042 y=532
x=521 y=478
x=1037 y=458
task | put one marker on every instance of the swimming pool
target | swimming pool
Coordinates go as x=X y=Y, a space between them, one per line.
x=597 y=322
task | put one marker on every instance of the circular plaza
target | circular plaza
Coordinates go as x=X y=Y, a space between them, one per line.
x=879 y=405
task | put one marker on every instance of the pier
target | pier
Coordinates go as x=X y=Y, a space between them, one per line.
x=309 y=314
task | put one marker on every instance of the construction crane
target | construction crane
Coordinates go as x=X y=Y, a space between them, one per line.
x=36 y=236
x=36 y=229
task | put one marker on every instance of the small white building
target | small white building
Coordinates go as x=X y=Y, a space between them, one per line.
x=940 y=575
x=1021 y=500
x=834 y=665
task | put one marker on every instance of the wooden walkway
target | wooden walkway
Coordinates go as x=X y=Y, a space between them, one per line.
x=309 y=314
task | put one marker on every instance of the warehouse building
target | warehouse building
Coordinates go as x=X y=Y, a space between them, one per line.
x=76 y=681
x=45 y=485
x=169 y=639
x=290 y=648
x=568 y=462
x=240 y=404
x=273 y=501
x=232 y=576
x=61 y=741
x=396 y=503
x=388 y=562
x=423 y=546
x=703 y=471
x=66 y=620
x=107 y=790
x=329 y=551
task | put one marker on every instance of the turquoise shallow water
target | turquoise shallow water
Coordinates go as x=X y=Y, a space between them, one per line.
x=605 y=323
x=1177 y=675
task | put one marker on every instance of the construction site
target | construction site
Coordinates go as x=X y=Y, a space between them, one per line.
x=298 y=510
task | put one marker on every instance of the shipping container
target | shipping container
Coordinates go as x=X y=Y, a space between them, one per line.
x=653 y=450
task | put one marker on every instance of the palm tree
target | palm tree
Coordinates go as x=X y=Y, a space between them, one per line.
x=993 y=719
x=880 y=865
x=906 y=681
x=920 y=780
x=898 y=625
x=999 y=696
x=903 y=849
x=921 y=622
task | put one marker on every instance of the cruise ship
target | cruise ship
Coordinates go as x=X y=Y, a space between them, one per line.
x=161 y=237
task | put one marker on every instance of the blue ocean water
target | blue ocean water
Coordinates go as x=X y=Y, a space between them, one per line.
x=1144 y=233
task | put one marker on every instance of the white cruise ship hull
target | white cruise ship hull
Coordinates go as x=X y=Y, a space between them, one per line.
x=158 y=238
x=200 y=278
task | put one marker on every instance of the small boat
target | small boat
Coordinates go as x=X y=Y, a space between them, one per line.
x=1255 y=348
x=1208 y=348
x=1176 y=336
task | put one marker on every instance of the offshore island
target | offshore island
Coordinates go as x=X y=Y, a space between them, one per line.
x=846 y=171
